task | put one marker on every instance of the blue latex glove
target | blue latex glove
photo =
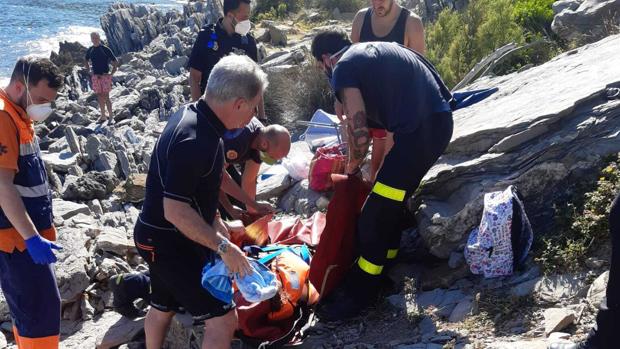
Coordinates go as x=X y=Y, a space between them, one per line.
x=40 y=250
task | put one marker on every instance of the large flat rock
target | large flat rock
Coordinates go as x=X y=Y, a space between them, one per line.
x=106 y=331
x=544 y=127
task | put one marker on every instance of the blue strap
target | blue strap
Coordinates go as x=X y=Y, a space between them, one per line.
x=302 y=251
x=268 y=258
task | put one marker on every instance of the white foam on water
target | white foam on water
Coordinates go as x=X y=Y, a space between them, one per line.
x=4 y=81
x=45 y=45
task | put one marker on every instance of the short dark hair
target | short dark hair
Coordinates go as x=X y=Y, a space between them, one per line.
x=329 y=42
x=35 y=70
x=231 y=5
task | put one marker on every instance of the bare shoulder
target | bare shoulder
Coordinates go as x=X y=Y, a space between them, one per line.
x=356 y=27
x=414 y=22
x=362 y=12
x=359 y=16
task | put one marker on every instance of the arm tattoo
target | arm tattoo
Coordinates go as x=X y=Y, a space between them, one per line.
x=359 y=137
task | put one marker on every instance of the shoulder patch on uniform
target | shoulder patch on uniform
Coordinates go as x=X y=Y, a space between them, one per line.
x=232 y=155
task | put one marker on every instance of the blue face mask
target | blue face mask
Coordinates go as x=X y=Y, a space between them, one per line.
x=230 y=134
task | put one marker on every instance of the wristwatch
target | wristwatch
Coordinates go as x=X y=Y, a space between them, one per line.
x=222 y=248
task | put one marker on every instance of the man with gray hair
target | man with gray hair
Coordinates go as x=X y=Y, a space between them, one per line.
x=179 y=229
x=98 y=59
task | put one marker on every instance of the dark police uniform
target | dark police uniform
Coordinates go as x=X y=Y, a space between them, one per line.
x=186 y=166
x=213 y=43
x=238 y=149
x=402 y=93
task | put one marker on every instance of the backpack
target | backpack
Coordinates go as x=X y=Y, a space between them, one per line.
x=326 y=161
x=500 y=244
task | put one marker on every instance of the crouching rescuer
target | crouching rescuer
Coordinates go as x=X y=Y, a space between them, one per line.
x=398 y=89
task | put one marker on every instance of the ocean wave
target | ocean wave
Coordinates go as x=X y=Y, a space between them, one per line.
x=48 y=43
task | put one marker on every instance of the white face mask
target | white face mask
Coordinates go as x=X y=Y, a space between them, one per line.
x=243 y=28
x=37 y=112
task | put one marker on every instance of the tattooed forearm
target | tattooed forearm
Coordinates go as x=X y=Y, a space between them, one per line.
x=359 y=138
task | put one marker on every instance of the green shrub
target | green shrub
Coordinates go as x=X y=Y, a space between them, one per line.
x=342 y=5
x=275 y=9
x=534 y=15
x=582 y=224
x=457 y=41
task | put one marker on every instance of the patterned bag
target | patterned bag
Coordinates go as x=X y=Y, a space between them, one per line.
x=326 y=161
x=502 y=241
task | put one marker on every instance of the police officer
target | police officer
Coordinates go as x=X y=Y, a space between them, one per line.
x=253 y=145
x=386 y=21
x=230 y=34
x=398 y=89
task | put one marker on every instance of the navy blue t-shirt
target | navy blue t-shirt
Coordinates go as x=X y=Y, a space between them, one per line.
x=186 y=166
x=238 y=149
x=100 y=58
x=400 y=87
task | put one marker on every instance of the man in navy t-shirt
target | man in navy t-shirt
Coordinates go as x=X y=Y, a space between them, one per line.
x=399 y=90
x=178 y=230
x=98 y=60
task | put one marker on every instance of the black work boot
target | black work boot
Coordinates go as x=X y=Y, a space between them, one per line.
x=601 y=337
x=358 y=291
x=123 y=301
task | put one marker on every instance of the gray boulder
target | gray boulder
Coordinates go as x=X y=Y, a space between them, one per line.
x=159 y=58
x=131 y=27
x=67 y=209
x=115 y=241
x=590 y=21
x=5 y=313
x=72 y=264
x=597 y=294
x=545 y=126
x=176 y=65
x=277 y=33
x=428 y=10
x=93 y=185
x=106 y=331
x=562 y=5
x=61 y=162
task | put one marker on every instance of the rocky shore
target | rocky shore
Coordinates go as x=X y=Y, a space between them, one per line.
x=547 y=126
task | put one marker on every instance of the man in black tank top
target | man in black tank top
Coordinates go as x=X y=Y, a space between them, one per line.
x=386 y=21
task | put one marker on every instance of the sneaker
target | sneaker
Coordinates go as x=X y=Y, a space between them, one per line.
x=120 y=303
x=592 y=342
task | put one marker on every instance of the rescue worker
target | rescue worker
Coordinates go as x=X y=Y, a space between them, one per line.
x=385 y=21
x=399 y=90
x=26 y=223
x=230 y=34
x=608 y=318
x=254 y=145
x=177 y=231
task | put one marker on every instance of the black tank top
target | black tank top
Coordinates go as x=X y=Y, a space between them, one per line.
x=397 y=34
